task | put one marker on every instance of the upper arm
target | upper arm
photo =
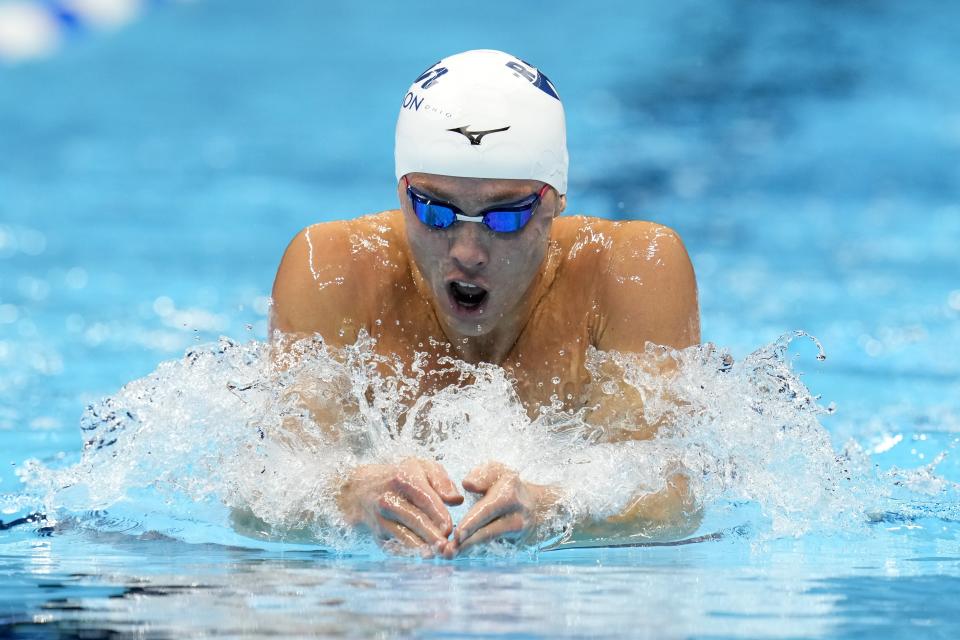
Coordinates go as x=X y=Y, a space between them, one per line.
x=316 y=287
x=648 y=291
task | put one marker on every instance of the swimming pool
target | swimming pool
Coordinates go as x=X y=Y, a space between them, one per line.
x=807 y=155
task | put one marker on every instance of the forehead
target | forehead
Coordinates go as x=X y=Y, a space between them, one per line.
x=453 y=187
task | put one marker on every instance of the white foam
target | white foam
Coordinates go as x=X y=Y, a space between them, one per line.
x=228 y=425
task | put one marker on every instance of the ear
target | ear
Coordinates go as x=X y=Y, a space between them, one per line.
x=562 y=205
x=401 y=191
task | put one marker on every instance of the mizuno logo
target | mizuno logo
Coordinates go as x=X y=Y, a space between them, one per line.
x=475 y=136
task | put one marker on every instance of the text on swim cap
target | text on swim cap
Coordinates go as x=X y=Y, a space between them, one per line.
x=412 y=101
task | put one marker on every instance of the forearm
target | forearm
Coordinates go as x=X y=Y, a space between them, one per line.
x=245 y=522
x=668 y=514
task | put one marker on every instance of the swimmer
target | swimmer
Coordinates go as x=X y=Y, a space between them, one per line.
x=477 y=263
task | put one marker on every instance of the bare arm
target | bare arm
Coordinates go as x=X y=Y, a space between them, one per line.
x=650 y=296
x=323 y=290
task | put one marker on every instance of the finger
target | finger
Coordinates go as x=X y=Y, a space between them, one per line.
x=395 y=508
x=398 y=538
x=510 y=526
x=483 y=477
x=493 y=505
x=415 y=487
x=441 y=483
x=449 y=550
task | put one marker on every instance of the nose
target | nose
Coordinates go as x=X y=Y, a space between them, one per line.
x=468 y=247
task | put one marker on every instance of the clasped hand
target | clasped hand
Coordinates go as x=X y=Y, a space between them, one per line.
x=405 y=506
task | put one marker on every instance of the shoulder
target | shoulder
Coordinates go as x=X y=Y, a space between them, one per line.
x=329 y=271
x=621 y=247
x=648 y=289
x=647 y=246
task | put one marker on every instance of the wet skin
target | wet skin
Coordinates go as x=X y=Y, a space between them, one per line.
x=547 y=293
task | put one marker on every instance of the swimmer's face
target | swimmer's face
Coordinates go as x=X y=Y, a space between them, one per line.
x=478 y=278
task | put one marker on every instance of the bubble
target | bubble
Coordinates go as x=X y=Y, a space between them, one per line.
x=8 y=313
x=163 y=306
x=32 y=242
x=953 y=300
x=74 y=323
x=76 y=278
x=7 y=242
x=26 y=328
x=33 y=288
x=262 y=304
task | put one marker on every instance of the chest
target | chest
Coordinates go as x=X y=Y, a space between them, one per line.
x=547 y=362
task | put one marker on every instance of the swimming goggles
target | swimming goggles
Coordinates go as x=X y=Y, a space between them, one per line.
x=502 y=218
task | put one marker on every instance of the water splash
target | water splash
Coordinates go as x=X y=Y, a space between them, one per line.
x=269 y=432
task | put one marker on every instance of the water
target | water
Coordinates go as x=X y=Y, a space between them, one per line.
x=807 y=155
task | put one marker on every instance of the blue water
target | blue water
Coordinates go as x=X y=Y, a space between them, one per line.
x=808 y=154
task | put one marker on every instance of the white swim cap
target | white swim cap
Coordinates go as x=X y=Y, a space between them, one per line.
x=483 y=114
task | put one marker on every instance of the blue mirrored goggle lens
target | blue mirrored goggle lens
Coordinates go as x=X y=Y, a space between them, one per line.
x=441 y=215
x=434 y=215
x=508 y=221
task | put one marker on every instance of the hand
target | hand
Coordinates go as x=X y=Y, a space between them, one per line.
x=510 y=508
x=402 y=504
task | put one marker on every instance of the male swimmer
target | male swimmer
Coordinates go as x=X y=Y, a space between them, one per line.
x=478 y=264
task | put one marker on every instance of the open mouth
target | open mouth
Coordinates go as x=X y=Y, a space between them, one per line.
x=467 y=296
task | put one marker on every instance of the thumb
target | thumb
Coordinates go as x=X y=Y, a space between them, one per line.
x=483 y=477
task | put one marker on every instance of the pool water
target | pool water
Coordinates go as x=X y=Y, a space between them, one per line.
x=809 y=155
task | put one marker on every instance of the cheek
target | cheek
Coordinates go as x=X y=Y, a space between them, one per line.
x=428 y=250
x=521 y=259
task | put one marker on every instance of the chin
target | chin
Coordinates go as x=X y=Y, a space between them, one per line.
x=470 y=328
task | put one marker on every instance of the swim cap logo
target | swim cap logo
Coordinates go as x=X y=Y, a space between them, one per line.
x=536 y=78
x=475 y=136
x=430 y=76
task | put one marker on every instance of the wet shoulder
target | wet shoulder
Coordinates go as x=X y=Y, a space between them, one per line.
x=598 y=242
x=645 y=286
x=335 y=269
